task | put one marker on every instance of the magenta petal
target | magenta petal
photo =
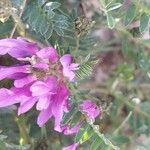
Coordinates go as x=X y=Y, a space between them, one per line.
x=39 y=88
x=51 y=82
x=69 y=74
x=42 y=103
x=7 y=97
x=74 y=66
x=6 y=72
x=17 y=47
x=24 y=81
x=66 y=60
x=48 y=53
x=44 y=116
x=71 y=147
x=90 y=108
x=27 y=105
x=58 y=103
x=75 y=129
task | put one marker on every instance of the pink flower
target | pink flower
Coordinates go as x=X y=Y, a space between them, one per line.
x=90 y=109
x=68 y=66
x=72 y=147
x=38 y=80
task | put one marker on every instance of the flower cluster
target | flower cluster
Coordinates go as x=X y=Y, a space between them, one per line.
x=40 y=80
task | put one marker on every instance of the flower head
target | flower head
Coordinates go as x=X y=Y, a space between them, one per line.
x=90 y=109
x=38 y=80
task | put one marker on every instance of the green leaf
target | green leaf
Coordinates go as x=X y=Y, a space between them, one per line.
x=139 y=121
x=85 y=69
x=110 y=21
x=43 y=19
x=69 y=116
x=5 y=28
x=41 y=2
x=143 y=22
x=97 y=142
x=130 y=14
x=52 y=5
x=76 y=119
x=113 y=6
x=2 y=145
x=87 y=135
x=120 y=139
x=81 y=132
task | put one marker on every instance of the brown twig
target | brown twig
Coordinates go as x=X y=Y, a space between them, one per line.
x=18 y=18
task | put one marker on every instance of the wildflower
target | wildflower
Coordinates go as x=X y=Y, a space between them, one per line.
x=90 y=109
x=38 y=80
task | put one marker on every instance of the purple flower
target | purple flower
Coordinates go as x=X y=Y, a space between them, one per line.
x=72 y=147
x=90 y=109
x=38 y=80
x=68 y=66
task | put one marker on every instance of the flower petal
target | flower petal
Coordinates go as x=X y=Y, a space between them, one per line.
x=69 y=74
x=43 y=103
x=66 y=60
x=7 y=97
x=75 y=129
x=74 y=66
x=48 y=53
x=24 y=81
x=27 y=105
x=72 y=147
x=44 y=116
x=39 y=88
x=7 y=72
x=51 y=83
x=58 y=104
x=17 y=47
x=90 y=108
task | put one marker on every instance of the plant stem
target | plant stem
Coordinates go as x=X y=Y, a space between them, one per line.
x=102 y=136
x=44 y=132
x=123 y=123
x=17 y=20
x=24 y=136
x=77 y=44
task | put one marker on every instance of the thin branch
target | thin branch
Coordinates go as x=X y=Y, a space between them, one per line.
x=18 y=18
x=123 y=123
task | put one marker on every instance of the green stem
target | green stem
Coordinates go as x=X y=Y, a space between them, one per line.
x=24 y=135
x=44 y=132
x=77 y=44
x=102 y=136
